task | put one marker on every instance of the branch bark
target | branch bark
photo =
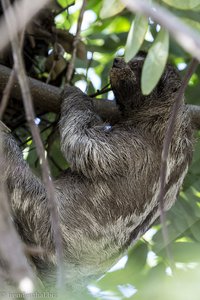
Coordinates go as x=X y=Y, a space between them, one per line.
x=165 y=151
x=70 y=68
x=19 y=68
x=18 y=268
x=47 y=98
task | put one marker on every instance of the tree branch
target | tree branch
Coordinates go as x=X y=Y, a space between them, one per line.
x=9 y=85
x=6 y=93
x=18 y=267
x=165 y=151
x=28 y=106
x=46 y=97
x=75 y=43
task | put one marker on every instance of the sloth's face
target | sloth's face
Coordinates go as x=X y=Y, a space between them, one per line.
x=126 y=84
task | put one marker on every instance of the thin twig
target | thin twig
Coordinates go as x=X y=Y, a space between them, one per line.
x=58 y=53
x=9 y=85
x=20 y=71
x=101 y=92
x=188 y=38
x=22 y=144
x=89 y=66
x=70 y=68
x=51 y=71
x=190 y=41
x=166 y=146
x=64 y=9
x=6 y=93
x=16 y=260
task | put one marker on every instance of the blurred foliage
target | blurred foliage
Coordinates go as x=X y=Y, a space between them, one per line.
x=145 y=272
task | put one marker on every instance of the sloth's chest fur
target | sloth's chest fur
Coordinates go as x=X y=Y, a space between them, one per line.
x=115 y=234
x=114 y=216
x=105 y=239
x=104 y=216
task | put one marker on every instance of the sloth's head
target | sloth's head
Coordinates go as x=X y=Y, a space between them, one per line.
x=126 y=84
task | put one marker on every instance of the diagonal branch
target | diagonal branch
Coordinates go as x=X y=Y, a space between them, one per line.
x=23 y=83
x=46 y=97
x=18 y=267
x=75 y=43
x=6 y=93
x=166 y=146
x=9 y=85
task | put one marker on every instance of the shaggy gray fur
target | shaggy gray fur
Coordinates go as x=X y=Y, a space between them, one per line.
x=108 y=197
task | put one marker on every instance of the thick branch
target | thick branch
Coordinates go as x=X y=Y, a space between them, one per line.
x=47 y=97
x=30 y=116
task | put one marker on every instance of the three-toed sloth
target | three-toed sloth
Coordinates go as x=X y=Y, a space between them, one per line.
x=109 y=196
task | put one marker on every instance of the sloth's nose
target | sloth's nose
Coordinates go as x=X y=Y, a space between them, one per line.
x=118 y=63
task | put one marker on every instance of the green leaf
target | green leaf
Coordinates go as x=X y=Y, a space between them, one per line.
x=136 y=36
x=183 y=4
x=186 y=252
x=155 y=62
x=137 y=257
x=111 y=8
x=65 y=3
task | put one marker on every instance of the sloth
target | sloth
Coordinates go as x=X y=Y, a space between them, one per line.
x=108 y=197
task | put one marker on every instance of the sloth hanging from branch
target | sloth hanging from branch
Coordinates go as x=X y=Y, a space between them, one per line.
x=108 y=197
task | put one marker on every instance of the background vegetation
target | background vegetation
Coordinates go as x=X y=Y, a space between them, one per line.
x=109 y=30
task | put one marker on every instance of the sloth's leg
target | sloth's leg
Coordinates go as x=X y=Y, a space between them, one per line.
x=26 y=193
